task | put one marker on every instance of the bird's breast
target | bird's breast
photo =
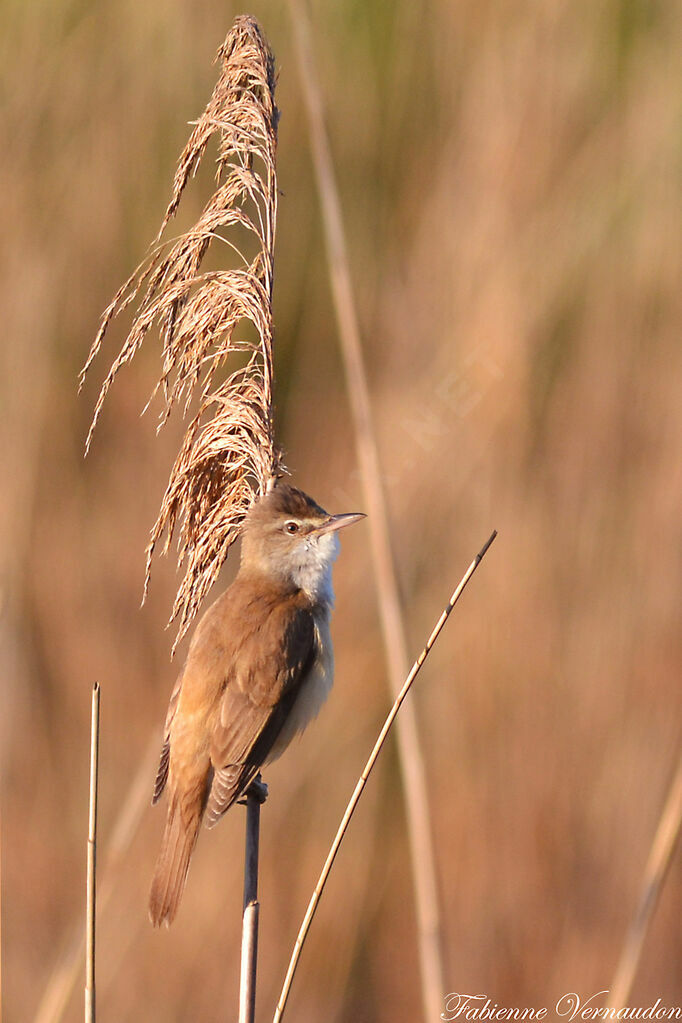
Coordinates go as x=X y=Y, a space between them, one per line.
x=314 y=689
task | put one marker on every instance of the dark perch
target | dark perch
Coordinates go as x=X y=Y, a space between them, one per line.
x=256 y=794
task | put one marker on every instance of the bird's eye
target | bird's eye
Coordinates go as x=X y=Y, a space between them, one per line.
x=291 y=527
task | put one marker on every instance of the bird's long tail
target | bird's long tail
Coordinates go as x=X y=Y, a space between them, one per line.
x=170 y=875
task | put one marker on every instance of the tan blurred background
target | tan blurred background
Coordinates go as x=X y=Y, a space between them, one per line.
x=510 y=175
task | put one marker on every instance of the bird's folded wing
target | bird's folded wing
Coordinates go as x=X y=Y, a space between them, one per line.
x=162 y=773
x=269 y=667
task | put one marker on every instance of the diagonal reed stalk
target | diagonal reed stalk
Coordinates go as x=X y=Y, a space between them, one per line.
x=660 y=856
x=357 y=792
x=228 y=456
x=419 y=827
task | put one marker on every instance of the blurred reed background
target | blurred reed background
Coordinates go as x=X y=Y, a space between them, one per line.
x=510 y=176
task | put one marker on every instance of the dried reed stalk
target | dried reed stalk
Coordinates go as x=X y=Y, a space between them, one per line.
x=357 y=792
x=660 y=856
x=59 y=988
x=228 y=456
x=420 y=834
x=91 y=903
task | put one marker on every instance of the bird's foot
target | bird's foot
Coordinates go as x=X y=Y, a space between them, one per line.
x=258 y=789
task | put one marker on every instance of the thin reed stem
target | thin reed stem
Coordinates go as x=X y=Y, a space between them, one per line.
x=65 y=974
x=660 y=855
x=91 y=901
x=357 y=792
x=420 y=832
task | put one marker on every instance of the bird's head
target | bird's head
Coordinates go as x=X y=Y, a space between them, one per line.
x=289 y=537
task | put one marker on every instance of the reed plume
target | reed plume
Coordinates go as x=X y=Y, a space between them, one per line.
x=228 y=455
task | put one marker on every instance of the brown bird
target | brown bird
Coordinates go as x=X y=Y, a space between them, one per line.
x=259 y=667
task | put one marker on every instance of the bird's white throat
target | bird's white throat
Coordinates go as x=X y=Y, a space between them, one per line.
x=311 y=566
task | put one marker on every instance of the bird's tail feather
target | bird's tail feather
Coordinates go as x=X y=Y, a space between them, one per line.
x=170 y=874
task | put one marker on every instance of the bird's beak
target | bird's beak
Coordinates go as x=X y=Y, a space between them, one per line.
x=335 y=522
